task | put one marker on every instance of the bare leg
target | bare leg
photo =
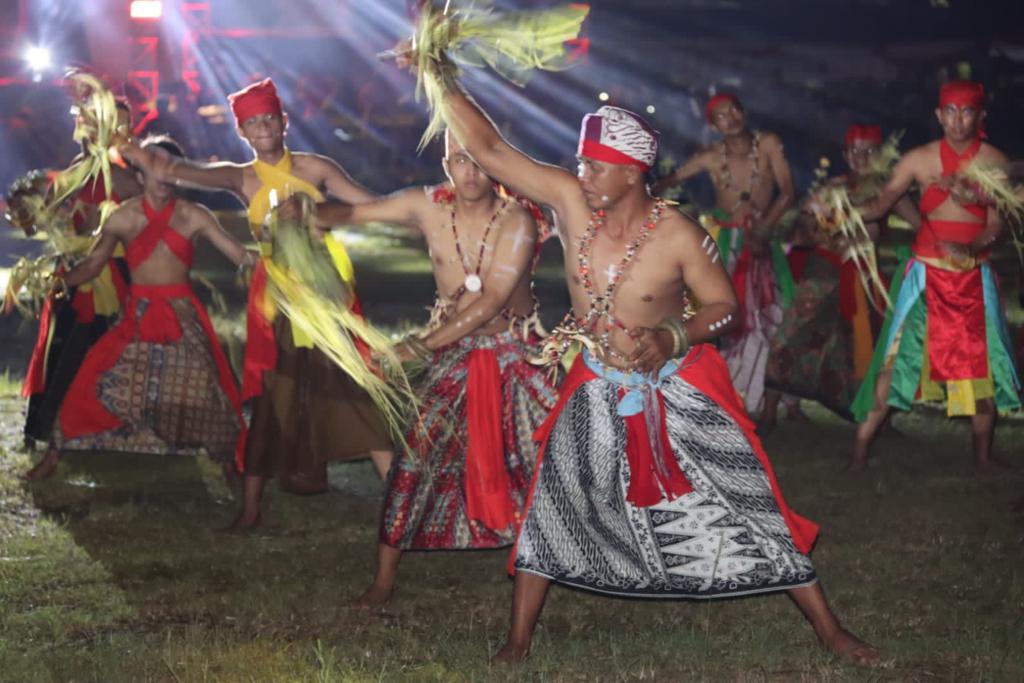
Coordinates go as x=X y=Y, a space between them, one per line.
x=794 y=412
x=45 y=467
x=252 y=496
x=867 y=430
x=983 y=425
x=770 y=412
x=528 y=596
x=382 y=461
x=812 y=602
x=383 y=584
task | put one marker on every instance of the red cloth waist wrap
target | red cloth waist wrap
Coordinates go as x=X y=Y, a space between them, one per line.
x=82 y=413
x=486 y=482
x=706 y=371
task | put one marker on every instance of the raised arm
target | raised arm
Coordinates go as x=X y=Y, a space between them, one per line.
x=209 y=227
x=692 y=167
x=90 y=268
x=786 y=196
x=513 y=254
x=221 y=175
x=543 y=183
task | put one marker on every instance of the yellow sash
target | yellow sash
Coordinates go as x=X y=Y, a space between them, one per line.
x=279 y=179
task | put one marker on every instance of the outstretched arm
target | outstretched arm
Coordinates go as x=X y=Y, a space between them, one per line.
x=692 y=167
x=340 y=184
x=543 y=183
x=221 y=175
x=102 y=250
x=404 y=207
x=209 y=227
x=902 y=176
x=513 y=254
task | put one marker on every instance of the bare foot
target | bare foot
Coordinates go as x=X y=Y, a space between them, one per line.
x=511 y=653
x=989 y=465
x=850 y=647
x=855 y=464
x=243 y=523
x=44 y=469
x=373 y=597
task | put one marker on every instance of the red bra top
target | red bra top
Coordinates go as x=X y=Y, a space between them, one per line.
x=159 y=229
x=934 y=231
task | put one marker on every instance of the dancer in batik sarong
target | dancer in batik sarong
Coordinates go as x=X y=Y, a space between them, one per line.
x=158 y=381
x=462 y=481
x=305 y=409
x=753 y=189
x=650 y=480
x=824 y=344
x=71 y=324
x=947 y=339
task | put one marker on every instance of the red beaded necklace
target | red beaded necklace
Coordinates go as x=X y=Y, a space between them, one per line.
x=473 y=283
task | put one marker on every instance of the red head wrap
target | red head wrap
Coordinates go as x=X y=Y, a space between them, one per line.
x=258 y=98
x=963 y=94
x=618 y=136
x=720 y=98
x=867 y=133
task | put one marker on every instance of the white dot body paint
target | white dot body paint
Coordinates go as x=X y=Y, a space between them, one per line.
x=605 y=198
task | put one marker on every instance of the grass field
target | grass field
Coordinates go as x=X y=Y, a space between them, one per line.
x=113 y=571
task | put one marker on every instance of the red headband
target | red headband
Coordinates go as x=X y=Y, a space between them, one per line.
x=258 y=98
x=865 y=133
x=963 y=94
x=720 y=98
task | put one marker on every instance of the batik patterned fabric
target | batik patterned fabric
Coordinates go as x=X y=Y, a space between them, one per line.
x=426 y=503
x=731 y=535
x=168 y=396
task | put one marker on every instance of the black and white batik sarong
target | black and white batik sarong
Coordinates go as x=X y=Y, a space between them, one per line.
x=728 y=537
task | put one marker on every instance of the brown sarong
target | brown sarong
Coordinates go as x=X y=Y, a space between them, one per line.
x=310 y=412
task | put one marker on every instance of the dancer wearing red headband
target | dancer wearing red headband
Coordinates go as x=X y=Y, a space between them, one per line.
x=649 y=433
x=69 y=326
x=947 y=339
x=753 y=189
x=823 y=348
x=463 y=481
x=283 y=370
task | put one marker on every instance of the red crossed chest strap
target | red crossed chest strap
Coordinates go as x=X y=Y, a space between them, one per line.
x=159 y=229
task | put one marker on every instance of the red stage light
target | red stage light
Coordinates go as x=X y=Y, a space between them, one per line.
x=146 y=9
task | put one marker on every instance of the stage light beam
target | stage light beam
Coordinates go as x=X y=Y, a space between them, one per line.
x=146 y=9
x=38 y=59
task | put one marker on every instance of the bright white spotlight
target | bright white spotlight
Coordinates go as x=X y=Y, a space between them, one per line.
x=603 y=96
x=37 y=58
x=146 y=9
x=651 y=109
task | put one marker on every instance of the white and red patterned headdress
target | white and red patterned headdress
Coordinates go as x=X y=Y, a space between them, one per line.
x=618 y=136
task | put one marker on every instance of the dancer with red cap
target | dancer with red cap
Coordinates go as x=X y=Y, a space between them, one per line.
x=649 y=434
x=462 y=482
x=305 y=410
x=823 y=347
x=753 y=189
x=947 y=340
x=157 y=382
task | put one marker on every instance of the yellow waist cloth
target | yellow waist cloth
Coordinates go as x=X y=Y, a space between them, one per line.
x=278 y=179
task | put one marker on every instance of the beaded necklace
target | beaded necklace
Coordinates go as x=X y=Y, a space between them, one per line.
x=725 y=171
x=473 y=283
x=602 y=306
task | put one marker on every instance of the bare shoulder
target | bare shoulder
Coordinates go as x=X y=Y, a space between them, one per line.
x=992 y=155
x=128 y=213
x=677 y=227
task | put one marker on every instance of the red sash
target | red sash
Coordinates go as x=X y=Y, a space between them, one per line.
x=486 y=482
